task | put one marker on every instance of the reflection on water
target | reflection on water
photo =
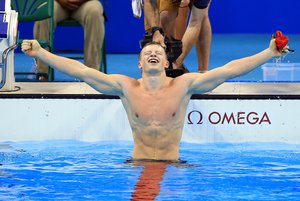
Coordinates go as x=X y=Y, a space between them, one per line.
x=148 y=185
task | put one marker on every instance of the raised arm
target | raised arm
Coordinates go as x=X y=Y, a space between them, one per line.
x=108 y=84
x=202 y=83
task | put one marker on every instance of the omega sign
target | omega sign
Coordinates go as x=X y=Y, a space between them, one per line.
x=234 y=118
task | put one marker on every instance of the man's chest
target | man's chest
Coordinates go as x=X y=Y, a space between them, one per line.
x=156 y=108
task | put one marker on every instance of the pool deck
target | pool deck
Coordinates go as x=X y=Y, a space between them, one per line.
x=81 y=88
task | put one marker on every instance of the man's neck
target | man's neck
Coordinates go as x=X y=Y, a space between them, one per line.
x=154 y=82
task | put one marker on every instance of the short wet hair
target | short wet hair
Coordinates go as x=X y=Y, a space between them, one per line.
x=152 y=43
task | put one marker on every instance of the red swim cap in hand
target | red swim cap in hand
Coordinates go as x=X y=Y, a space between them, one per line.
x=281 y=40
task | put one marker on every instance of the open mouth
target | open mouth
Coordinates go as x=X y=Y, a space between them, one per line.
x=153 y=60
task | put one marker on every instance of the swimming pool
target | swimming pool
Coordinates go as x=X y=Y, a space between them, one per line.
x=75 y=170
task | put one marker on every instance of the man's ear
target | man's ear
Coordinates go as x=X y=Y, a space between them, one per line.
x=139 y=64
x=167 y=64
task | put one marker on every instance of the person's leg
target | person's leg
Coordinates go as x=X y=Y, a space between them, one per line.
x=41 y=32
x=198 y=13
x=181 y=21
x=151 y=14
x=168 y=13
x=90 y=16
x=203 y=45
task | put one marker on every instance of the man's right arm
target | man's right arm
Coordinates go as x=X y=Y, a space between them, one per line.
x=108 y=84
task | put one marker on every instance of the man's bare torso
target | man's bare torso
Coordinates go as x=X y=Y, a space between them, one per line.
x=156 y=118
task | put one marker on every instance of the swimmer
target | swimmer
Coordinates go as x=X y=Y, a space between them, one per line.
x=155 y=104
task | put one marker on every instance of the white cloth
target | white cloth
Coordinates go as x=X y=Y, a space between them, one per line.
x=137 y=6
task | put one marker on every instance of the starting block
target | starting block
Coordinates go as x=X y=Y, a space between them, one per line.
x=8 y=43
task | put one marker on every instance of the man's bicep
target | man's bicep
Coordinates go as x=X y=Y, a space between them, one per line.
x=107 y=84
x=208 y=81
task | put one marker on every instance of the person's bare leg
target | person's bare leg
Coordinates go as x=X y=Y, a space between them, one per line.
x=168 y=21
x=181 y=22
x=203 y=45
x=191 y=34
x=151 y=13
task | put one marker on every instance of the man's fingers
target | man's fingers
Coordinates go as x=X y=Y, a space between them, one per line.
x=163 y=44
x=286 y=50
x=25 y=49
x=26 y=45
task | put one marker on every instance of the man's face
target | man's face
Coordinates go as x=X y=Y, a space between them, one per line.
x=153 y=58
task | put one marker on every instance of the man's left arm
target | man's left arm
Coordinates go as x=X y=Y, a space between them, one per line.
x=202 y=83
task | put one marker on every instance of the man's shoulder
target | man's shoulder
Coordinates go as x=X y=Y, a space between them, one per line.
x=185 y=77
x=126 y=80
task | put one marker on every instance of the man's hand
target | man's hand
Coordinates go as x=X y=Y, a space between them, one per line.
x=70 y=5
x=30 y=47
x=159 y=38
x=275 y=51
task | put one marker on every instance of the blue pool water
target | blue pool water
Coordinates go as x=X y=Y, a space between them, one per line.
x=72 y=170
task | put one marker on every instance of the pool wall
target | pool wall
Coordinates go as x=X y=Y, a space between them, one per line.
x=207 y=120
